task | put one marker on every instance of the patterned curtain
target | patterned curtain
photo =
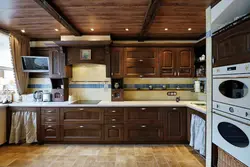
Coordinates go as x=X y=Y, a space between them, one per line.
x=19 y=47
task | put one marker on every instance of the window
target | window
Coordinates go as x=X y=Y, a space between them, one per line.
x=7 y=80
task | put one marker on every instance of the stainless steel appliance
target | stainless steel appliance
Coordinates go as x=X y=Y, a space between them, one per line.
x=231 y=110
x=38 y=96
x=46 y=96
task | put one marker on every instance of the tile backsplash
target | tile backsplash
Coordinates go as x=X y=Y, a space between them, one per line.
x=89 y=82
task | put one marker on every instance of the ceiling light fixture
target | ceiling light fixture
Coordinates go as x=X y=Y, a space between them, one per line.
x=126 y=29
x=92 y=29
x=23 y=31
x=166 y=29
x=56 y=29
x=189 y=29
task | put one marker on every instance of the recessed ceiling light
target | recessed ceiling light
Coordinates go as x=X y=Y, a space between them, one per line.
x=56 y=29
x=126 y=29
x=166 y=29
x=23 y=31
x=189 y=29
x=92 y=29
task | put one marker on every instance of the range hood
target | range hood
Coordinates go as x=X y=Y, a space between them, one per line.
x=85 y=40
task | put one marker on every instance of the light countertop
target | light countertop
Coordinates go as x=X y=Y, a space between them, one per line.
x=188 y=104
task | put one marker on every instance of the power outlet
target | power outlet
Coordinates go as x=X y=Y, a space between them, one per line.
x=172 y=94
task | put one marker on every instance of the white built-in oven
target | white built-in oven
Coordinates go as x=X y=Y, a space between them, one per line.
x=232 y=134
x=231 y=85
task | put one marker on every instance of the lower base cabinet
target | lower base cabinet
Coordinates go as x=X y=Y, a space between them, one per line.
x=50 y=133
x=144 y=132
x=81 y=132
x=114 y=132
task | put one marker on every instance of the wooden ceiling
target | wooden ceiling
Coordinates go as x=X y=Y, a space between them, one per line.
x=107 y=17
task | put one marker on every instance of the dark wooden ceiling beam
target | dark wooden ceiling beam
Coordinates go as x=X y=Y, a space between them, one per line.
x=57 y=14
x=149 y=18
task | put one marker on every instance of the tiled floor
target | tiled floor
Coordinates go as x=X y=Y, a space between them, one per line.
x=99 y=156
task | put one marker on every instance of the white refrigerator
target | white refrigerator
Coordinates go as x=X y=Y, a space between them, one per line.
x=2 y=125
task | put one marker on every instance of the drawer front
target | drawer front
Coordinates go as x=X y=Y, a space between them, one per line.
x=49 y=111
x=114 y=111
x=50 y=119
x=143 y=115
x=144 y=132
x=82 y=132
x=114 y=132
x=114 y=119
x=51 y=132
x=82 y=115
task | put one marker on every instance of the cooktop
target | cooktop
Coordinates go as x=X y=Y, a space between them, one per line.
x=87 y=102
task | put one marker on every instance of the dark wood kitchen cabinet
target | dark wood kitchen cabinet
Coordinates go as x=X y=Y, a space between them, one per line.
x=144 y=132
x=185 y=62
x=79 y=132
x=176 y=62
x=167 y=62
x=175 y=124
x=140 y=62
x=57 y=64
x=117 y=59
x=114 y=132
x=232 y=46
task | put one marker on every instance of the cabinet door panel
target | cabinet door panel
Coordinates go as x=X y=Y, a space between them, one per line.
x=167 y=62
x=232 y=46
x=176 y=124
x=117 y=62
x=185 y=62
x=143 y=115
x=143 y=132
x=81 y=132
x=114 y=132
x=91 y=115
x=51 y=132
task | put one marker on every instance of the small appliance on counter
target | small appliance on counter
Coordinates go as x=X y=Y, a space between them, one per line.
x=60 y=90
x=197 y=86
x=38 y=96
x=117 y=89
x=46 y=96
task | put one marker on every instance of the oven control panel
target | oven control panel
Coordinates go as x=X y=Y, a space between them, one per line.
x=237 y=69
x=233 y=110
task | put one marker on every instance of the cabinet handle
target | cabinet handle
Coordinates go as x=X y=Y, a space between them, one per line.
x=143 y=109
x=175 y=73
x=49 y=111
x=112 y=73
x=49 y=119
x=141 y=76
x=140 y=60
x=178 y=73
x=113 y=119
x=81 y=126
x=49 y=126
x=49 y=130
x=113 y=111
x=113 y=126
x=174 y=108
x=81 y=109
x=143 y=126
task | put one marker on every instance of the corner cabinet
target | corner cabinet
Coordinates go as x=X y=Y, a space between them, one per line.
x=140 y=62
x=232 y=46
x=117 y=59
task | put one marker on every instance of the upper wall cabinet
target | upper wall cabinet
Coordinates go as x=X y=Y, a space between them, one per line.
x=140 y=62
x=57 y=61
x=185 y=62
x=97 y=55
x=176 y=62
x=232 y=46
x=117 y=59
